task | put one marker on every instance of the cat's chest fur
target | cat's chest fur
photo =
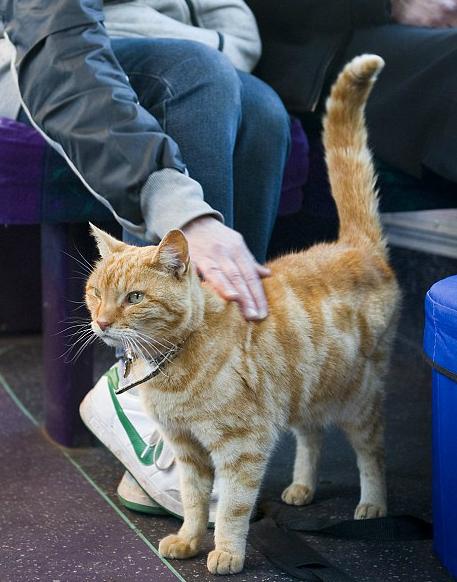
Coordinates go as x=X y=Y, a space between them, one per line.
x=183 y=396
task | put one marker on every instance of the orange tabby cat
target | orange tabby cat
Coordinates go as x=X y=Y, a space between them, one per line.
x=319 y=358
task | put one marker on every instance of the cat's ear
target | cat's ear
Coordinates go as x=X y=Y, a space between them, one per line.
x=106 y=243
x=173 y=253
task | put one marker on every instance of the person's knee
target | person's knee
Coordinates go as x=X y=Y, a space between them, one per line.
x=213 y=72
x=180 y=66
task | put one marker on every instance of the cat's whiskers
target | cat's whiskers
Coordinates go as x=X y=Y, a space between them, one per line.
x=138 y=343
x=81 y=277
x=137 y=347
x=146 y=339
x=83 y=333
x=161 y=354
x=136 y=335
x=84 y=263
x=129 y=345
x=89 y=265
x=171 y=344
x=134 y=349
x=150 y=338
x=87 y=343
x=77 y=333
x=78 y=326
x=87 y=268
x=74 y=319
x=80 y=304
x=163 y=357
x=151 y=341
x=126 y=345
x=144 y=347
x=82 y=329
x=86 y=338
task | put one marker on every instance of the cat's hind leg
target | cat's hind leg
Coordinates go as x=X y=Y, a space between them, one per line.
x=196 y=477
x=366 y=435
x=303 y=487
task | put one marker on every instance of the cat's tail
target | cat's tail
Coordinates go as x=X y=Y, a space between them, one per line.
x=350 y=166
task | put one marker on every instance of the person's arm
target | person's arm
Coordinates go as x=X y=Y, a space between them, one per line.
x=433 y=13
x=79 y=98
x=77 y=95
x=229 y=27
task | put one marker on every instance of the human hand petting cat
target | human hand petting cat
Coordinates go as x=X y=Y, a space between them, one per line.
x=223 y=259
x=433 y=13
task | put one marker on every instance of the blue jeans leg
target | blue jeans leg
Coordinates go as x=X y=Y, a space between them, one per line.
x=232 y=129
x=260 y=156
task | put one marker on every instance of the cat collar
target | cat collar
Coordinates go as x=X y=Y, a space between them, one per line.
x=154 y=367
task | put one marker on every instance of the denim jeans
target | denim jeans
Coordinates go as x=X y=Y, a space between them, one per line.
x=232 y=129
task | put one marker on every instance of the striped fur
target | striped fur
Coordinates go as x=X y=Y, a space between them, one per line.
x=318 y=359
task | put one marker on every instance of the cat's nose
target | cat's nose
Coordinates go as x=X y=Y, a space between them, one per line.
x=103 y=324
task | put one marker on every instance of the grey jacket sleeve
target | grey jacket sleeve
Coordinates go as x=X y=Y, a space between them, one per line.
x=226 y=26
x=79 y=98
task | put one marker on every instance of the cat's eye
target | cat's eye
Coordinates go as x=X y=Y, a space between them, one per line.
x=135 y=297
x=97 y=293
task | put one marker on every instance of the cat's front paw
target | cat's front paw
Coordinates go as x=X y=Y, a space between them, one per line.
x=369 y=511
x=297 y=494
x=220 y=562
x=175 y=546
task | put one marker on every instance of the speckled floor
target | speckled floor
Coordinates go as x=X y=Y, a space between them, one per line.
x=61 y=521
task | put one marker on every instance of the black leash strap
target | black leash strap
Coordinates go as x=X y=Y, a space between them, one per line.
x=275 y=536
x=291 y=554
x=381 y=529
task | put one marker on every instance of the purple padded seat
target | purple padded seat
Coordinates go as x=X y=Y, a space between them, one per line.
x=296 y=171
x=33 y=178
x=22 y=152
x=37 y=185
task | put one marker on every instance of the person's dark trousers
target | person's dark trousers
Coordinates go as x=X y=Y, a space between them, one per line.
x=412 y=112
x=231 y=128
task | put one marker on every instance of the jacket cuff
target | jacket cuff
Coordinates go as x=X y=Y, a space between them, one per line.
x=171 y=199
x=370 y=13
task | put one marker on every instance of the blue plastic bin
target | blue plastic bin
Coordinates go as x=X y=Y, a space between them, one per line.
x=440 y=344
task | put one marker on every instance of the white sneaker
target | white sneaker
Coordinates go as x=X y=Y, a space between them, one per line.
x=132 y=496
x=122 y=425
